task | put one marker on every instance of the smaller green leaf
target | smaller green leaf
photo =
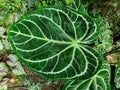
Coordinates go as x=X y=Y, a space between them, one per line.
x=117 y=76
x=18 y=70
x=6 y=44
x=4 y=81
x=3 y=69
x=106 y=41
x=100 y=81
x=26 y=82
x=12 y=59
x=32 y=85
x=35 y=86
x=2 y=30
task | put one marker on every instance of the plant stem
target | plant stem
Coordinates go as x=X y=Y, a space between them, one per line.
x=114 y=63
x=115 y=50
x=22 y=87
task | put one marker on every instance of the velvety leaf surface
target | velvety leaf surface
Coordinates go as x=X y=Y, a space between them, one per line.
x=100 y=81
x=54 y=42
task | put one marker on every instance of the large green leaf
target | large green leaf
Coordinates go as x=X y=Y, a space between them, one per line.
x=54 y=42
x=117 y=76
x=100 y=81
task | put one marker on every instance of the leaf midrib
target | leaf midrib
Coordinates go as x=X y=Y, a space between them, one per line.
x=48 y=40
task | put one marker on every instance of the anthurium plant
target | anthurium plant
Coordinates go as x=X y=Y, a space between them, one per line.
x=59 y=43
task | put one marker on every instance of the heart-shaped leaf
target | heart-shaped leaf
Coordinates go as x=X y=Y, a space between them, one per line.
x=54 y=42
x=100 y=81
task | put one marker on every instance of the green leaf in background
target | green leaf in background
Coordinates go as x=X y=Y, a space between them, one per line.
x=18 y=70
x=17 y=67
x=35 y=86
x=117 y=76
x=100 y=81
x=6 y=44
x=54 y=42
x=4 y=87
x=3 y=69
x=4 y=81
x=2 y=30
x=106 y=41
x=12 y=60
